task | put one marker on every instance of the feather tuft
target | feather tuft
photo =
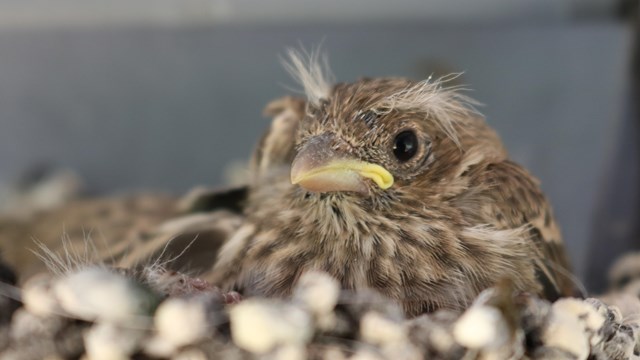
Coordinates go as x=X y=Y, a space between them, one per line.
x=311 y=71
x=447 y=105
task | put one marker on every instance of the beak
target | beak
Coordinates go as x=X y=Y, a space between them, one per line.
x=319 y=167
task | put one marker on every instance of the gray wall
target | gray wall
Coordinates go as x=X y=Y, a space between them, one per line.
x=45 y=14
x=139 y=107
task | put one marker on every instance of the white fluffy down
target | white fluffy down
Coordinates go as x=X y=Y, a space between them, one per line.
x=97 y=293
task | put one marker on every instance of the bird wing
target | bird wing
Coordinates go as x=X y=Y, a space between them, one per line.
x=512 y=198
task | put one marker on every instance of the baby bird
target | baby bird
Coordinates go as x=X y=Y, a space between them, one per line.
x=394 y=185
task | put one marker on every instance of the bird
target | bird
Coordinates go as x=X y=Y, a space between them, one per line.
x=394 y=185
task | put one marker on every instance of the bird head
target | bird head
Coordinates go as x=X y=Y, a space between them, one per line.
x=353 y=142
x=384 y=134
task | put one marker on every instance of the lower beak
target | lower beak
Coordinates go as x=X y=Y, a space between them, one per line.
x=319 y=168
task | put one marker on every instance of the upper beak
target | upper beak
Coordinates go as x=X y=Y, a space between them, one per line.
x=319 y=167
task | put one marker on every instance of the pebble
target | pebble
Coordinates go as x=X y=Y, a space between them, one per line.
x=187 y=320
x=481 y=327
x=104 y=341
x=260 y=325
x=25 y=325
x=379 y=330
x=317 y=291
x=565 y=333
x=591 y=320
x=319 y=322
x=38 y=297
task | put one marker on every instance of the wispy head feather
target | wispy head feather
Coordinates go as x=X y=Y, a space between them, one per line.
x=311 y=70
x=447 y=105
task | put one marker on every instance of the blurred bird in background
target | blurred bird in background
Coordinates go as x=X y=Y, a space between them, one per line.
x=390 y=184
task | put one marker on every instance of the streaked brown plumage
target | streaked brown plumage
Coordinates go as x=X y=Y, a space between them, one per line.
x=459 y=217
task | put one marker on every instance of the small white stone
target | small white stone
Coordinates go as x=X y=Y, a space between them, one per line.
x=625 y=306
x=376 y=329
x=98 y=294
x=158 y=347
x=586 y=314
x=25 y=324
x=333 y=352
x=37 y=296
x=326 y=322
x=564 y=331
x=402 y=350
x=635 y=326
x=318 y=291
x=619 y=346
x=291 y=352
x=191 y=354
x=259 y=325
x=366 y=354
x=109 y=342
x=183 y=321
x=441 y=340
x=481 y=327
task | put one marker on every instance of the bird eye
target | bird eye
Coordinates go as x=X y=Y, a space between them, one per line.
x=405 y=145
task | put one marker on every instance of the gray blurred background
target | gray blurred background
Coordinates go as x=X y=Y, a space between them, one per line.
x=164 y=94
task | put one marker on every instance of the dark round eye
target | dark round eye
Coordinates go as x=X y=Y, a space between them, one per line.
x=405 y=145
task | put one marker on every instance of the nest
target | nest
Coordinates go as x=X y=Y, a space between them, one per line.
x=86 y=307
x=97 y=312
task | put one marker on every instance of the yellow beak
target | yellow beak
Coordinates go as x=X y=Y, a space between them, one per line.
x=318 y=168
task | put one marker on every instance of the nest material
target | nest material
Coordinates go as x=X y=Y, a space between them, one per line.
x=103 y=313
x=83 y=310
